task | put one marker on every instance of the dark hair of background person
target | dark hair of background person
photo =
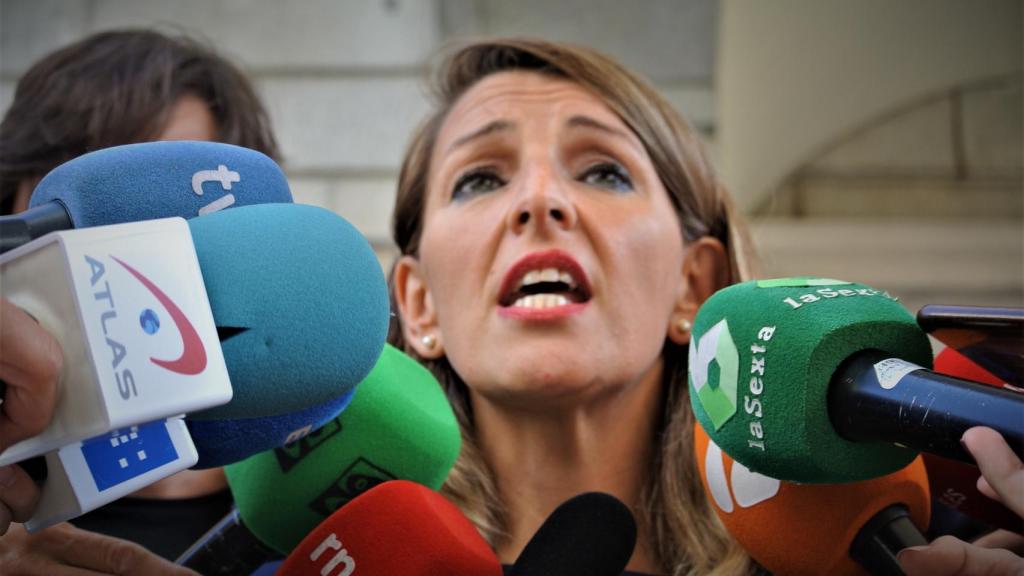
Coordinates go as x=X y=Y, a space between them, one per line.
x=685 y=533
x=118 y=87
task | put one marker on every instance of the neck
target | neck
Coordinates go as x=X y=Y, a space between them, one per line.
x=185 y=484
x=542 y=458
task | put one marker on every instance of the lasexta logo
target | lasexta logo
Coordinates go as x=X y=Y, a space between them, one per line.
x=714 y=371
x=193 y=354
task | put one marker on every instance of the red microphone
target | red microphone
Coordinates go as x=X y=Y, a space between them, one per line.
x=398 y=527
x=954 y=483
x=814 y=529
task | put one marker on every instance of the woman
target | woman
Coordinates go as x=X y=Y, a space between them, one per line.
x=111 y=88
x=559 y=226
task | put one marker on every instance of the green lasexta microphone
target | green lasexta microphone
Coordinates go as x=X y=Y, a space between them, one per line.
x=817 y=380
x=761 y=359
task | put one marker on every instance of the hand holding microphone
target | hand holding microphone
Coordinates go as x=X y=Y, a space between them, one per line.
x=954 y=484
x=1002 y=479
x=30 y=364
x=268 y=330
x=1002 y=473
x=64 y=549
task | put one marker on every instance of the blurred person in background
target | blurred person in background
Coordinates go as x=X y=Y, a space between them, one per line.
x=111 y=88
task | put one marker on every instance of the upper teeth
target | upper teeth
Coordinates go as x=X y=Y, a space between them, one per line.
x=547 y=275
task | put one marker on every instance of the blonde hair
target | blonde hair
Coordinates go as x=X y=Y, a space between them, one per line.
x=685 y=535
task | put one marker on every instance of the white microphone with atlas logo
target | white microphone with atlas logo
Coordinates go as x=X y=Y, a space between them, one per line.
x=128 y=306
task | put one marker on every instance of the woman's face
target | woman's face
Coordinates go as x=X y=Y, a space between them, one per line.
x=551 y=261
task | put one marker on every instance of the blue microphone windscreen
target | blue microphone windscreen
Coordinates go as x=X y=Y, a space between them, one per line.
x=153 y=180
x=222 y=442
x=300 y=301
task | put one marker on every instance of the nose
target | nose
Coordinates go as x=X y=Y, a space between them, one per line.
x=542 y=205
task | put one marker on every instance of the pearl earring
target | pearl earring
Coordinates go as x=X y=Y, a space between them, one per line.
x=429 y=341
x=684 y=325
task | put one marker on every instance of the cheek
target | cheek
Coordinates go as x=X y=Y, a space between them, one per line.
x=452 y=264
x=650 y=252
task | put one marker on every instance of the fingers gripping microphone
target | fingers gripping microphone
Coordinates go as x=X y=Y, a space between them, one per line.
x=127 y=306
x=317 y=395
x=592 y=534
x=811 y=529
x=815 y=380
x=398 y=527
x=145 y=181
x=954 y=484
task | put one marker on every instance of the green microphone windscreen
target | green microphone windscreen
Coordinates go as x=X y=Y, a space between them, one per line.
x=761 y=358
x=399 y=426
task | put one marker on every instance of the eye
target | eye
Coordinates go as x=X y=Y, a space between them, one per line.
x=476 y=181
x=607 y=175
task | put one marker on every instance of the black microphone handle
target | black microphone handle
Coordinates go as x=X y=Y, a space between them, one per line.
x=18 y=229
x=227 y=548
x=922 y=410
x=877 y=543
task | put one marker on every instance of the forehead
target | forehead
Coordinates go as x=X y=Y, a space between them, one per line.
x=522 y=95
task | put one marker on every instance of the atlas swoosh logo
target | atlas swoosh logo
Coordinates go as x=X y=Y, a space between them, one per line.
x=193 y=355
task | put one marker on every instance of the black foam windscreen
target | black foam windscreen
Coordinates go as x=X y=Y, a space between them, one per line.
x=591 y=534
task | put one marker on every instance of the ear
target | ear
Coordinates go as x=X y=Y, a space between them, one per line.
x=705 y=270
x=416 y=308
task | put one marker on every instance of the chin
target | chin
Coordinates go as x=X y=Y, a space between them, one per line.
x=547 y=389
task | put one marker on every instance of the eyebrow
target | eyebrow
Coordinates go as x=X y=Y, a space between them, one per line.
x=486 y=130
x=588 y=122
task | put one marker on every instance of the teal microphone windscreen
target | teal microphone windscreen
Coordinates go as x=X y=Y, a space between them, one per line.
x=761 y=359
x=399 y=426
x=299 y=300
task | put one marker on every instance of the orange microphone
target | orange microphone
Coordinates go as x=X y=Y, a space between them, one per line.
x=813 y=529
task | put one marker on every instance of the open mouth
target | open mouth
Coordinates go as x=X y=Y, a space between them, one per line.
x=545 y=280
